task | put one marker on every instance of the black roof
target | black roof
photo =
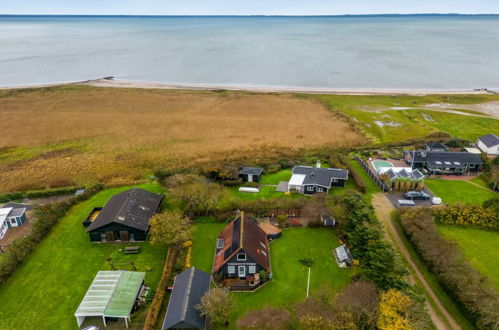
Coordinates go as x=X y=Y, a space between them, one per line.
x=132 y=208
x=320 y=176
x=188 y=288
x=251 y=170
x=490 y=140
x=19 y=206
x=446 y=159
x=436 y=145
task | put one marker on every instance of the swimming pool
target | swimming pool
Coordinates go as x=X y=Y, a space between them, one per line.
x=381 y=163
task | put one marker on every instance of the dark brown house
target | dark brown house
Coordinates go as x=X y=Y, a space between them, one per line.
x=125 y=217
x=242 y=251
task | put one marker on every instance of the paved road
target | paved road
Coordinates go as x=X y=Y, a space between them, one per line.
x=383 y=208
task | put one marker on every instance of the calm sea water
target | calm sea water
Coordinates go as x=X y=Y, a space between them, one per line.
x=407 y=52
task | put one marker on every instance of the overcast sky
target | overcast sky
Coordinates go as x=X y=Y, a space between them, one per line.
x=246 y=7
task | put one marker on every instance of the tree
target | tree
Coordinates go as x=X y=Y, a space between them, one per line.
x=170 y=228
x=194 y=193
x=393 y=311
x=360 y=300
x=216 y=304
x=265 y=319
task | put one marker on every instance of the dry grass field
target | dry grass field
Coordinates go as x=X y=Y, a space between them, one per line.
x=80 y=134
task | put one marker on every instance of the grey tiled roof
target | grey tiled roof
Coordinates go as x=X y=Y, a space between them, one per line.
x=490 y=140
x=320 y=176
x=251 y=170
x=188 y=288
x=132 y=208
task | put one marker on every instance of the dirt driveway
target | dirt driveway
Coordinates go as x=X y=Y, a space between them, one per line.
x=383 y=209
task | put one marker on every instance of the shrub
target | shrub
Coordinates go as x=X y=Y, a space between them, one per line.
x=466 y=285
x=438 y=135
x=472 y=215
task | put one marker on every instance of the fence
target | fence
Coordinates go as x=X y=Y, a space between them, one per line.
x=381 y=185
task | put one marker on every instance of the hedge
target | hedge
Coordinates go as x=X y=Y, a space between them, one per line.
x=356 y=176
x=475 y=294
x=470 y=215
x=38 y=193
x=47 y=216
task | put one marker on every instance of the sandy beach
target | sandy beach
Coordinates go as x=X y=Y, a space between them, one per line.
x=337 y=91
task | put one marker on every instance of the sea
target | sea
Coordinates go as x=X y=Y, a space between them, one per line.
x=431 y=52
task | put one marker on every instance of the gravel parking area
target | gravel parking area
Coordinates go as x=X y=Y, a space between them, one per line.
x=394 y=197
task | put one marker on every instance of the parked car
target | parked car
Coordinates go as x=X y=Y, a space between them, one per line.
x=416 y=195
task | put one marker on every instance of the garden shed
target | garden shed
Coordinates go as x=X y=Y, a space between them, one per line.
x=250 y=174
x=112 y=294
x=343 y=257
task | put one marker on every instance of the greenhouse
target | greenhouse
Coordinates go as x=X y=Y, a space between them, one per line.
x=112 y=294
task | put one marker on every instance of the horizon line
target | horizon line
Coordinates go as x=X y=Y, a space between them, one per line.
x=255 y=15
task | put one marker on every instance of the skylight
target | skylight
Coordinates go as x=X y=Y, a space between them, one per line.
x=457 y=163
x=438 y=162
x=447 y=163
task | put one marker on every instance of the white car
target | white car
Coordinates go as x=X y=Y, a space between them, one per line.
x=436 y=200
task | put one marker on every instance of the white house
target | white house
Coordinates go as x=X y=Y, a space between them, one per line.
x=11 y=217
x=489 y=144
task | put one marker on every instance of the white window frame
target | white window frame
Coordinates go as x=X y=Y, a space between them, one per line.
x=252 y=269
x=310 y=188
x=320 y=189
x=231 y=269
x=13 y=221
x=335 y=179
x=241 y=259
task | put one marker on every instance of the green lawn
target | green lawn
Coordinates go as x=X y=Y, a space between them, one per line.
x=275 y=178
x=289 y=277
x=479 y=246
x=414 y=123
x=453 y=191
x=50 y=284
x=371 y=187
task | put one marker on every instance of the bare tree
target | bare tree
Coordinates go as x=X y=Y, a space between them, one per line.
x=265 y=319
x=216 y=304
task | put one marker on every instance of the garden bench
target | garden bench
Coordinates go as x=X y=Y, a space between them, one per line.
x=132 y=249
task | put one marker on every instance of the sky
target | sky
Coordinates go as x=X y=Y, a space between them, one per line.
x=246 y=7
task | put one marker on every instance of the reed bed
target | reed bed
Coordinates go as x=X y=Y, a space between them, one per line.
x=81 y=134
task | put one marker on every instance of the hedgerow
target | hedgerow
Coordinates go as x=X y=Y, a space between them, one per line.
x=466 y=285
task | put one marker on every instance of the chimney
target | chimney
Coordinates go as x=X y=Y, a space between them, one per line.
x=318 y=165
x=423 y=154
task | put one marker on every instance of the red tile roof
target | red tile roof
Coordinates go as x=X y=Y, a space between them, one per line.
x=243 y=234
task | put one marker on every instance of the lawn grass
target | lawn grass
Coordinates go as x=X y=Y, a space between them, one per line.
x=275 y=178
x=289 y=276
x=480 y=247
x=414 y=123
x=432 y=281
x=50 y=284
x=454 y=191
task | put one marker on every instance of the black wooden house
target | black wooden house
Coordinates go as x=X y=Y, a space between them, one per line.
x=125 y=217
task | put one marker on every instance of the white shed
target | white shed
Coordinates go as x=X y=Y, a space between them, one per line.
x=489 y=144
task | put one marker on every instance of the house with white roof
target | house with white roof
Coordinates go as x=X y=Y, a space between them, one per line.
x=11 y=217
x=489 y=144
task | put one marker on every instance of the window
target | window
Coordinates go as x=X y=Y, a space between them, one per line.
x=13 y=221
x=447 y=163
x=252 y=269
x=457 y=163
x=103 y=236
x=263 y=245
x=310 y=188
x=438 y=162
x=231 y=269
x=241 y=256
x=335 y=179
x=263 y=252
x=319 y=189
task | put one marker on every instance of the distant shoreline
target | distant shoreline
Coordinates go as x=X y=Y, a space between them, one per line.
x=258 y=15
x=111 y=83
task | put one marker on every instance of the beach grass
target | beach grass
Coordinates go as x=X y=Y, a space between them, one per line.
x=51 y=282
